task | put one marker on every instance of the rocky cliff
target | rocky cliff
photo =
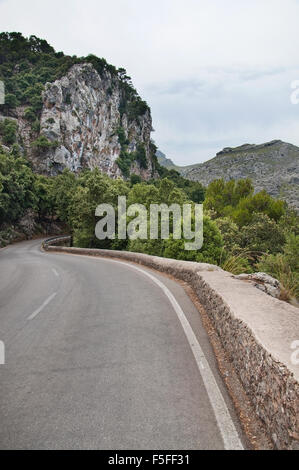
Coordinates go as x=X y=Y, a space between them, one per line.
x=88 y=116
x=273 y=166
x=81 y=114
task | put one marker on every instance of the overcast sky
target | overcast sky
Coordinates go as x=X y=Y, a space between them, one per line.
x=215 y=73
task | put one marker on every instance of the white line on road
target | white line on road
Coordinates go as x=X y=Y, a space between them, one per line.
x=225 y=423
x=40 y=309
x=55 y=272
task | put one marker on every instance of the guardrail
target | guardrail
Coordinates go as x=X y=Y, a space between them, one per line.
x=54 y=241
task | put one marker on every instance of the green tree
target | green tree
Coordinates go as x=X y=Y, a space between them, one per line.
x=262 y=235
x=258 y=203
x=8 y=131
x=230 y=233
x=209 y=253
x=17 y=183
x=135 y=179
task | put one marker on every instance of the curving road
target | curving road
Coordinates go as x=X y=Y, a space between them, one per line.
x=100 y=355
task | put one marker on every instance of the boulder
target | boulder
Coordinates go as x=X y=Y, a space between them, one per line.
x=264 y=282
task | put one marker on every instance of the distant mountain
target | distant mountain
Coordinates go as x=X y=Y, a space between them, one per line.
x=273 y=166
x=164 y=161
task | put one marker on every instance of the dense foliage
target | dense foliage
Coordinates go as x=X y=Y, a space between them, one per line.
x=243 y=231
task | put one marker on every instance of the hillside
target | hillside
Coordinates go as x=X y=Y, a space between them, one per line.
x=70 y=112
x=273 y=166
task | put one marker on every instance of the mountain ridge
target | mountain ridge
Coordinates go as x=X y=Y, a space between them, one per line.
x=273 y=166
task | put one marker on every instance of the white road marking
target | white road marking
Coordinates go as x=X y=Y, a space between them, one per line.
x=225 y=423
x=55 y=272
x=40 y=309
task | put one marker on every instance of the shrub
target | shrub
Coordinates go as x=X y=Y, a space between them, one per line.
x=278 y=267
x=8 y=131
x=236 y=264
x=68 y=98
x=124 y=162
x=230 y=233
x=135 y=179
x=136 y=108
x=291 y=251
x=43 y=143
x=11 y=101
x=140 y=156
x=262 y=235
x=209 y=253
x=36 y=126
x=29 y=114
x=122 y=138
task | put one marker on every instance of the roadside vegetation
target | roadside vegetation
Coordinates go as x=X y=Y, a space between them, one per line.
x=243 y=231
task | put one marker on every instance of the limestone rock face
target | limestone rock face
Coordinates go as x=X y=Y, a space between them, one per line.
x=81 y=117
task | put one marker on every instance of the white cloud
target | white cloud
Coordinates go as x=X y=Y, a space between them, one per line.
x=215 y=73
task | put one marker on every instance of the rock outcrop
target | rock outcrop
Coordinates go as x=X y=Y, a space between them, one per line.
x=263 y=282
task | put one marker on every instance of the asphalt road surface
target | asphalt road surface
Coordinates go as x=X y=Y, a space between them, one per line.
x=103 y=355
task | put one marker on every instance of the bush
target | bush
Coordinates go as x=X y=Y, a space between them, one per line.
x=122 y=138
x=36 y=126
x=236 y=264
x=291 y=251
x=140 y=156
x=258 y=203
x=230 y=233
x=43 y=143
x=289 y=222
x=262 y=235
x=11 y=101
x=135 y=179
x=235 y=199
x=124 y=162
x=278 y=267
x=29 y=114
x=136 y=108
x=209 y=253
x=8 y=131
x=16 y=188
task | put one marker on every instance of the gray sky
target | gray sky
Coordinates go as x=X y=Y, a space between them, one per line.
x=215 y=73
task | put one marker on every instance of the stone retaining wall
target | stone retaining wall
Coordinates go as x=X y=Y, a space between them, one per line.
x=256 y=332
